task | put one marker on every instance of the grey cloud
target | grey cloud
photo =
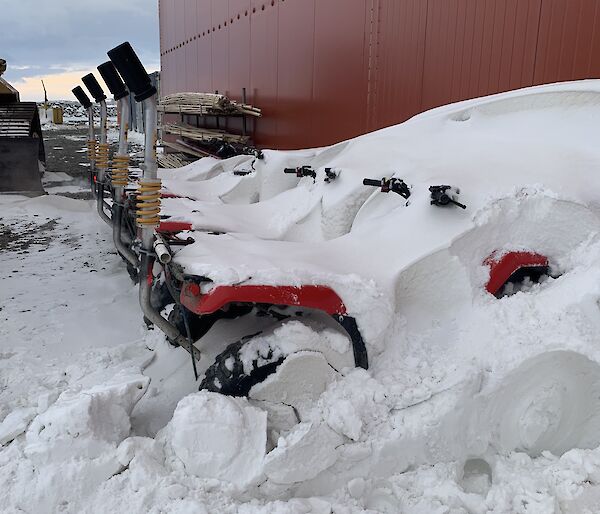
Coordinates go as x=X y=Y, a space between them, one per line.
x=51 y=36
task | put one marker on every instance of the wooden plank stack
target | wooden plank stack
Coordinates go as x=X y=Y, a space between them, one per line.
x=202 y=134
x=172 y=160
x=205 y=104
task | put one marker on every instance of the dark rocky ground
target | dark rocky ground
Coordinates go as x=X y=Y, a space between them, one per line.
x=66 y=152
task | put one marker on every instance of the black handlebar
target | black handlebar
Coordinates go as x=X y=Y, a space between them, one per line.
x=302 y=171
x=110 y=75
x=441 y=197
x=83 y=99
x=372 y=182
x=395 y=185
x=132 y=70
x=93 y=87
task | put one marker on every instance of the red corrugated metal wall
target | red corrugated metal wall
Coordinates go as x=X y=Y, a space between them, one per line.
x=327 y=70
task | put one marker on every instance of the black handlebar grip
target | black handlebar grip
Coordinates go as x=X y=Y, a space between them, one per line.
x=371 y=182
x=132 y=70
x=290 y=170
x=110 y=75
x=93 y=87
x=83 y=99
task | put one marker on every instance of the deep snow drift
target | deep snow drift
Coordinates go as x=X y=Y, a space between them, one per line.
x=471 y=403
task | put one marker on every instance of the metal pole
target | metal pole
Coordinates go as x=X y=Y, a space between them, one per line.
x=150 y=136
x=150 y=185
x=124 y=109
x=103 y=162
x=103 y=130
x=120 y=167
x=91 y=147
x=244 y=101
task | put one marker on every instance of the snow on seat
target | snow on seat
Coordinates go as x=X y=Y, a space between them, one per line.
x=211 y=190
x=270 y=219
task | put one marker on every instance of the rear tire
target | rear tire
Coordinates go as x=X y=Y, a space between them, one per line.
x=227 y=375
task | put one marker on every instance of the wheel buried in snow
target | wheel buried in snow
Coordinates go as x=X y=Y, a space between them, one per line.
x=307 y=354
x=229 y=376
x=523 y=280
x=551 y=402
x=517 y=271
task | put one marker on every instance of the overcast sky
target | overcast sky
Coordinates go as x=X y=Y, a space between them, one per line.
x=62 y=40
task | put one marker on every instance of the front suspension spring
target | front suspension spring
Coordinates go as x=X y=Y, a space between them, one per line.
x=120 y=170
x=92 y=149
x=102 y=162
x=148 y=203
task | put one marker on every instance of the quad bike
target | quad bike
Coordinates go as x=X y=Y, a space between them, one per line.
x=158 y=245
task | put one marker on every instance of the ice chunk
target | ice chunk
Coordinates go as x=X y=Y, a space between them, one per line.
x=216 y=436
x=15 y=424
x=299 y=381
x=307 y=450
x=86 y=423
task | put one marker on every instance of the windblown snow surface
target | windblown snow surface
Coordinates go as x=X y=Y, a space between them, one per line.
x=471 y=404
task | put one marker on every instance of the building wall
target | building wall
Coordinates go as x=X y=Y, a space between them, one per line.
x=327 y=70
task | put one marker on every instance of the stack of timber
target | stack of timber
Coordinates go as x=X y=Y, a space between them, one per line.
x=202 y=134
x=205 y=104
x=173 y=160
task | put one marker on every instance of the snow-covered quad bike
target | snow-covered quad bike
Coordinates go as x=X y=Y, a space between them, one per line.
x=510 y=232
x=302 y=235
x=330 y=275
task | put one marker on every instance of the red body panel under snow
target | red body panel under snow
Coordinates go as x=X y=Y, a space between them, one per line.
x=173 y=226
x=313 y=297
x=501 y=269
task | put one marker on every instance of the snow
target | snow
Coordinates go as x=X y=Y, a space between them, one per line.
x=471 y=404
x=215 y=436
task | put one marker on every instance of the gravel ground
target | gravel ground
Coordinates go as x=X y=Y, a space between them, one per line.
x=66 y=154
x=66 y=150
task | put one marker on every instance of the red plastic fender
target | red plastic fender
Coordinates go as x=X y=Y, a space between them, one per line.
x=312 y=297
x=501 y=268
x=173 y=226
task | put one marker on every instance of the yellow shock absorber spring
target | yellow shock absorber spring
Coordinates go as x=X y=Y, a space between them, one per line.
x=92 y=149
x=120 y=170
x=102 y=157
x=148 y=203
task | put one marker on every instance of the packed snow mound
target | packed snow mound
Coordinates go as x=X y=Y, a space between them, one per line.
x=549 y=403
x=85 y=424
x=71 y=448
x=216 y=436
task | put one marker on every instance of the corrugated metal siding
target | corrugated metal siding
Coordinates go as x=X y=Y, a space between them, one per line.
x=263 y=72
x=398 y=43
x=478 y=47
x=569 y=41
x=340 y=74
x=239 y=49
x=295 y=68
x=326 y=70
x=204 y=46
x=190 y=49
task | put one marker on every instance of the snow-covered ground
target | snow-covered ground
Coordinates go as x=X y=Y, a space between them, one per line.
x=472 y=404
